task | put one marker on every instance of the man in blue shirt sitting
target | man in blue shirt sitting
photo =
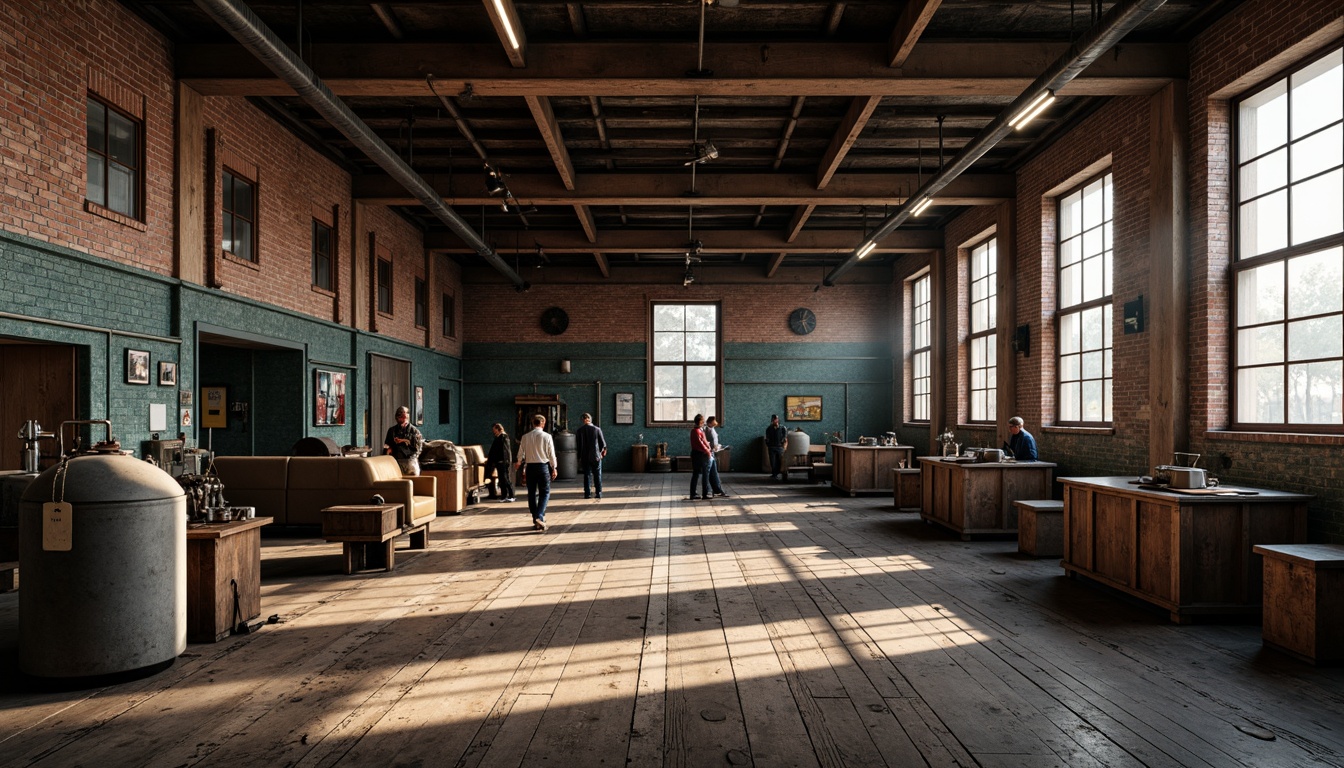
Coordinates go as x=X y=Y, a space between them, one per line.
x=1021 y=445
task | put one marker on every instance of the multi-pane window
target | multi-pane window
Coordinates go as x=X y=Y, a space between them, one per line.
x=385 y=286
x=449 y=316
x=921 y=344
x=115 y=175
x=421 y=304
x=322 y=242
x=685 y=361
x=1085 y=259
x=984 y=313
x=1289 y=270
x=240 y=216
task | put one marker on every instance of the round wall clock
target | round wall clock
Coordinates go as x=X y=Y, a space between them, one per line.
x=554 y=321
x=802 y=321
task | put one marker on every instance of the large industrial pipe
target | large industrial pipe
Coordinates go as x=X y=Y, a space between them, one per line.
x=1120 y=21
x=253 y=34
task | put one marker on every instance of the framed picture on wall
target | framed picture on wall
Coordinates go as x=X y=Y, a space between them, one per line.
x=419 y=405
x=336 y=399
x=137 y=366
x=215 y=407
x=328 y=398
x=802 y=407
x=625 y=408
x=167 y=374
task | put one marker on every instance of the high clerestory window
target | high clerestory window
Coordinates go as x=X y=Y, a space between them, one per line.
x=685 y=376
x=1085 y=336
x=115 y=169
x=1288 y=355
x=322 y=259
x=384 y=286
x=983 y=344
x=421 y=304
x=240 y=216
x=921 y=345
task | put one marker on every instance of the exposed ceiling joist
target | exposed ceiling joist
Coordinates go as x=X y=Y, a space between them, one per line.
x=941 y=69
x=798 y=221
x=670 y=187
x=773 y=266
x=860 y=110
x=602 y=265
x=542 y=112
x=914 y=18
x=585 y=215
x=753 y=241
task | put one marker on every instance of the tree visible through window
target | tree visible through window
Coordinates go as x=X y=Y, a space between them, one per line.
x=1085 y=259
x=1289 y=271
x=921 y=342
x=984 y=314
x=685 y=361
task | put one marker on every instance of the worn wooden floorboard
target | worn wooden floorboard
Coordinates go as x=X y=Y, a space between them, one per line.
x=785 y=626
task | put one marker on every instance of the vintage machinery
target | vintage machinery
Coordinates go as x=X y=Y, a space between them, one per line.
x=30 y=434
x=174 y=457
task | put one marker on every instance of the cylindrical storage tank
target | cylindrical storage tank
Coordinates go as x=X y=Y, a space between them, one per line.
x=116 y=600
x=567 y=453
x=799 y=444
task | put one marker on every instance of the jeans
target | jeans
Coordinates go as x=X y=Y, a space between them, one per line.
x=700 y=470
x=501 y=480
x=714 y=483
x=592 y=471
x=776 y=460
x=538 y=489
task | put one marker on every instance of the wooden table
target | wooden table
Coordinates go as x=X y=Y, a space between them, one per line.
x=220 y=555
x=1188 y=552
x=866 y=467
x=974 y=498
x=368 y=533
x=1304 y=600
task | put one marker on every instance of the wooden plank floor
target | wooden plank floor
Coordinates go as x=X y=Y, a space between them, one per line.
x=784 y=626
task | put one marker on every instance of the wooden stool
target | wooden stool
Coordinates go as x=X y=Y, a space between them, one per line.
x=906 y=489
x=1040 y=527
x=1304 y=600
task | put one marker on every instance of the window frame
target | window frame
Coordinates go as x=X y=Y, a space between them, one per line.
x=1105 y=302
x=227 y=211
x=382 y=286
x=317 y=255
x=421 y=303
x=988 y=335
x=449 y=316
x=1240 y=265
x=918 y=352
x=137 y=172
x=651 y=419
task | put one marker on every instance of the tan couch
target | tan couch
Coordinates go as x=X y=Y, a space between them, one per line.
x=294 y=490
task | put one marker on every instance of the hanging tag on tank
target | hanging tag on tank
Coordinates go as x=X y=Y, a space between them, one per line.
x=57 y=526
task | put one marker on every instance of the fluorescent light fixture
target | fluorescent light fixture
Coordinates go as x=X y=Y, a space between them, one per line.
x=508 y=28
x=1029 y=112
x=866 y=249
x=921 y=206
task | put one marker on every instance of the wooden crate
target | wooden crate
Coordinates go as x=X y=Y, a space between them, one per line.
x=906 y=491
x=356 y=522
x=1040 y=527
x=1304 y=600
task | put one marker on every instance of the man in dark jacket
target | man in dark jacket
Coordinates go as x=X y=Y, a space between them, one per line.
x=592 y=448
x=499 y=464
x=776 y=440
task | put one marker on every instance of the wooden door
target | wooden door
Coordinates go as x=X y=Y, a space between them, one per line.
x=389 y=387
x=37 y=381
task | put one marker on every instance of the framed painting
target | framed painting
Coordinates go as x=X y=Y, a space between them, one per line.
x=328 y=398
x=167 y=374
x=625 y=408
x=137 y=366
x=419 y=405
x=802 y=407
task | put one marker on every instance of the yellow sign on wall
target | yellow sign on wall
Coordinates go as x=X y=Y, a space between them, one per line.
x=214 y=407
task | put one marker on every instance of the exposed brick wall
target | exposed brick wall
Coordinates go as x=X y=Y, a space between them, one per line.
x=50 y=55
x=755 y=312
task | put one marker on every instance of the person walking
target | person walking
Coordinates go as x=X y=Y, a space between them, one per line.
x=712 y=437
x=776 y=440
x=536 y=451
x=700 y=458
x=592 y=448
x=499 y=465
x=404 y=442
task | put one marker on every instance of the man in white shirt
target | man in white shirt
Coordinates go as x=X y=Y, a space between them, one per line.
x=536 y=451
x=712 y=435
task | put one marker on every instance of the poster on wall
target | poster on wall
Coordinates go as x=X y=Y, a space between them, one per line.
x=419 y=405
x=329 y=399
x=625 y=408
x=214 y=407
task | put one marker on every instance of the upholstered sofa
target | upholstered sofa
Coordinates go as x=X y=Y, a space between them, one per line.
x=294 y=490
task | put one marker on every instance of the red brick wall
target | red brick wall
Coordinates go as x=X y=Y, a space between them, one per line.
x=752 y=312
x=47 y=64
x=956 y=296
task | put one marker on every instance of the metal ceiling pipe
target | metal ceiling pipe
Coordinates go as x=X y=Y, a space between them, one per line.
x=1120 y=21
x=252 y=33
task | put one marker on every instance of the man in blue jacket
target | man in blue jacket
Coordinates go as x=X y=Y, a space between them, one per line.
x=1021 y=445
x=592 y=448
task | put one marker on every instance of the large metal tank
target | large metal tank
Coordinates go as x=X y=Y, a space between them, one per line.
x=116 y=601
x=799 y=445
x=567 y=454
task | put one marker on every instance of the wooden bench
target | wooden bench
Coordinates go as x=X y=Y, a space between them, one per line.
x=906 y=489
x=368 y=533
x=1040 y=527
x=1304 y=600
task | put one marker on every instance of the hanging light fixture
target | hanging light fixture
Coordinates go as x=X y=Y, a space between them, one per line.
x=1035 y=107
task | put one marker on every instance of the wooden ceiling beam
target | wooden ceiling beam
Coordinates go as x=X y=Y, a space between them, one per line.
x=914 y=18
x=540 y=106
x=754 y=241
x=585 y=215
x=669 y=189
x=937 y=69
x=773 y=266
x=798 y=221
x=504 y=17
x=860 y=109
x=602 y=265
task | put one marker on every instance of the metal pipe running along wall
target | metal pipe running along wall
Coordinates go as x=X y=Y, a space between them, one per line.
x=1118 y=22
x=252 y=33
